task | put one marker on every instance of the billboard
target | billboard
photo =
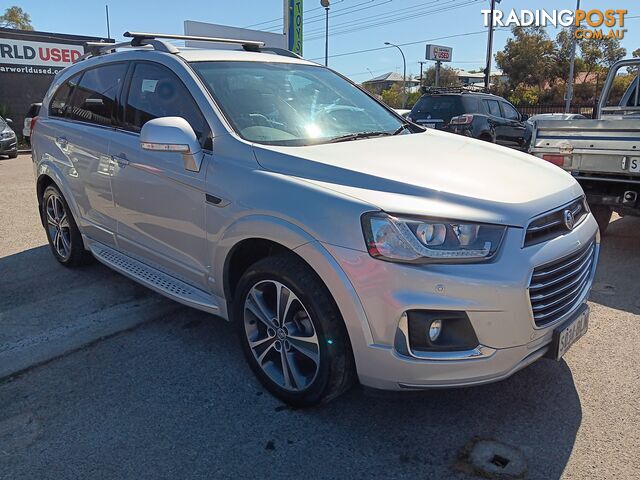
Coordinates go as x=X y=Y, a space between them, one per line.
x=439 y=53
x=294 y=25
x=203 y=29
x=36 y=57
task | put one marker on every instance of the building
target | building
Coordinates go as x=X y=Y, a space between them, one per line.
x=29 y=61
x=384 y=82
x=477 y=78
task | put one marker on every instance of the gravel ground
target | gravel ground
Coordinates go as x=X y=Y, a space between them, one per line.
x=173 y=397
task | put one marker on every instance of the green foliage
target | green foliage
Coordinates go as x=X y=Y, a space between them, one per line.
x=15 y=17
x=393 y=97
x=448 y=76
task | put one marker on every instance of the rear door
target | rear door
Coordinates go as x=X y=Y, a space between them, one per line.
x=79 y=127
x=160 y=205
x=516 y=129
x=499 y=124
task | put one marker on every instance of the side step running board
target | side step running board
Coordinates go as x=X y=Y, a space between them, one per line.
x=154 y=279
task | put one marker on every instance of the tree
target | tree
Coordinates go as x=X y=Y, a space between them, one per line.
x=598 y=55
x=529 y=57
x=15 y=17
x=448 y=76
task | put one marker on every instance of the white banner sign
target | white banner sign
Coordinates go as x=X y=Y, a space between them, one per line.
x=42 y=54
x=439 y=53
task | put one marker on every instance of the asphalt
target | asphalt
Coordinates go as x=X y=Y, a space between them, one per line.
x=171 y=396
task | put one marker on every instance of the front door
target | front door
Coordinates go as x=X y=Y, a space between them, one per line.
x=160 y=205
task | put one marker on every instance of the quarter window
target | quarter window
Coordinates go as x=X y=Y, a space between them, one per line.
x=157 y=92
x=94 y=98
x=60 y=102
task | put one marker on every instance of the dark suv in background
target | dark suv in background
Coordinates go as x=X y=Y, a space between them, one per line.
x=473 y=114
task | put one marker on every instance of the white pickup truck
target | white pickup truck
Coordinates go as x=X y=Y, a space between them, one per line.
x=602 y=154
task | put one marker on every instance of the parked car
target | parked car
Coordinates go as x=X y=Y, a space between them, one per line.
x=601 y=154
x=8 y=140
x=473 y=114
x=343 y=241
x=555 y=116
x=30 y=120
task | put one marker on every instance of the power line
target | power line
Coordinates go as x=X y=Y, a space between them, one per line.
x=279 y=19
x=355 y=52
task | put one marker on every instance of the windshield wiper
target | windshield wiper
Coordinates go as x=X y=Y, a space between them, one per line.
x=402 y=128
x=358 y=136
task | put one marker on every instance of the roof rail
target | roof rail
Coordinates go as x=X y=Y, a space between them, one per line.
x=459 y=89
x=154 y=40
x=251 y=45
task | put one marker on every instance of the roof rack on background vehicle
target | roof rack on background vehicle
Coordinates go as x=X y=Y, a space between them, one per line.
x=462 y=89
x=154 y=40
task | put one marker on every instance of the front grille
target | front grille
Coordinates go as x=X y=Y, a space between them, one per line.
x=556 y=287
x=553 y=224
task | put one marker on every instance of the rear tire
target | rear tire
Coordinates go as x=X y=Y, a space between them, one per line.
x=298 y=347
x=602 y=214
x=63 y=234
x=13 y=155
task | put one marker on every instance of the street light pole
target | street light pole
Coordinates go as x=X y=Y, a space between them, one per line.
x=325 y=4
x=572 y=65
x=487 y=70
x=421 y=64
x=404 y=74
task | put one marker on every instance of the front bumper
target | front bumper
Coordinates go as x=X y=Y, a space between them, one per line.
x=8 y=146
x=493 y=295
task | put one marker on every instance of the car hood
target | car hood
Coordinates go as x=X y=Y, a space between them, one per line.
x=433 y=174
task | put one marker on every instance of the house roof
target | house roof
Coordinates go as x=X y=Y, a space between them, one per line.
x=389 y=77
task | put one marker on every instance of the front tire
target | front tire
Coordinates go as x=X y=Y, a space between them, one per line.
x=64 y=237
x=292 y=333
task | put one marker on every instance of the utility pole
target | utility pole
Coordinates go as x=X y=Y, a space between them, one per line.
x=404 y=74
x=421 y=64
x=325 y=4
x=572 y=65
x=106 y=8
x=438 y=64
x=487 y=70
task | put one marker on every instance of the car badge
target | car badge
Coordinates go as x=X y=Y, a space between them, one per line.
x=569 y=219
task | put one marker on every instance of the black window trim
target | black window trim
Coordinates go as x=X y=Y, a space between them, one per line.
x=70 y=97
x=126 y=90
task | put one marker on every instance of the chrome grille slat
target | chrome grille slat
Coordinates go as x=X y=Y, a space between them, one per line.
x=551 y=225
x=565 y=282
x=564 y=266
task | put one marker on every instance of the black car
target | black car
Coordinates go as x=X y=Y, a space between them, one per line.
x=8 y=140
x=474 y=114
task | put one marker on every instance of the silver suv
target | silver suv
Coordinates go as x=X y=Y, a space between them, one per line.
x=345 y=242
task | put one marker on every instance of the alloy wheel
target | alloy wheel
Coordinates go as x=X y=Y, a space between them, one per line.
x=281 y=335
x=58 y=226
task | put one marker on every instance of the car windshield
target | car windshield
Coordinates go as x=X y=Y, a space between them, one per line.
x=293 y=104
x=438 y=107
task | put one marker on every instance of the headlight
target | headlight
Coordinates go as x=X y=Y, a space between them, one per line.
x=7 y=134
x=429 y=241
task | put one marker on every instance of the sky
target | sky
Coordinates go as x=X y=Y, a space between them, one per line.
x=355 y=25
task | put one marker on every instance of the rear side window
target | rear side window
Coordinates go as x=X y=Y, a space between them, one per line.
x=157 y=92
x=33 y=111
x=60 y=102
x=94 y=98
x=493 y=107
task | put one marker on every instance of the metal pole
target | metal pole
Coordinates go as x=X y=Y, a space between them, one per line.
x=421 y=64
x=106 y=7
x=404 y=74
x=438 y=63
x=487 y=70
x=326 y=38
x=572 y=65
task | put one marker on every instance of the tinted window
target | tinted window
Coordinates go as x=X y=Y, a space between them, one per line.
x=60 y=102
x=94 y=98
x=157 y=92
x=33 y=111
x=438 y=107
x=510 y=112
x=471 y=104
x=493 y=107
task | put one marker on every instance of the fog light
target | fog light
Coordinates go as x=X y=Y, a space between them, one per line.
x=434 y=330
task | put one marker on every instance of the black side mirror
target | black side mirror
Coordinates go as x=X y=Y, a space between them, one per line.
x=524 y=117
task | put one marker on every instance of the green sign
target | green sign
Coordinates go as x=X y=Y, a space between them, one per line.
x=295 y=26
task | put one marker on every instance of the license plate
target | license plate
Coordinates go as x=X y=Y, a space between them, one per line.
x=634 y=164
x=430 y=125
x=568 y=333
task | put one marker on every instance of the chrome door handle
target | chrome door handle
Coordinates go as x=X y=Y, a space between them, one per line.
x=121 y=161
